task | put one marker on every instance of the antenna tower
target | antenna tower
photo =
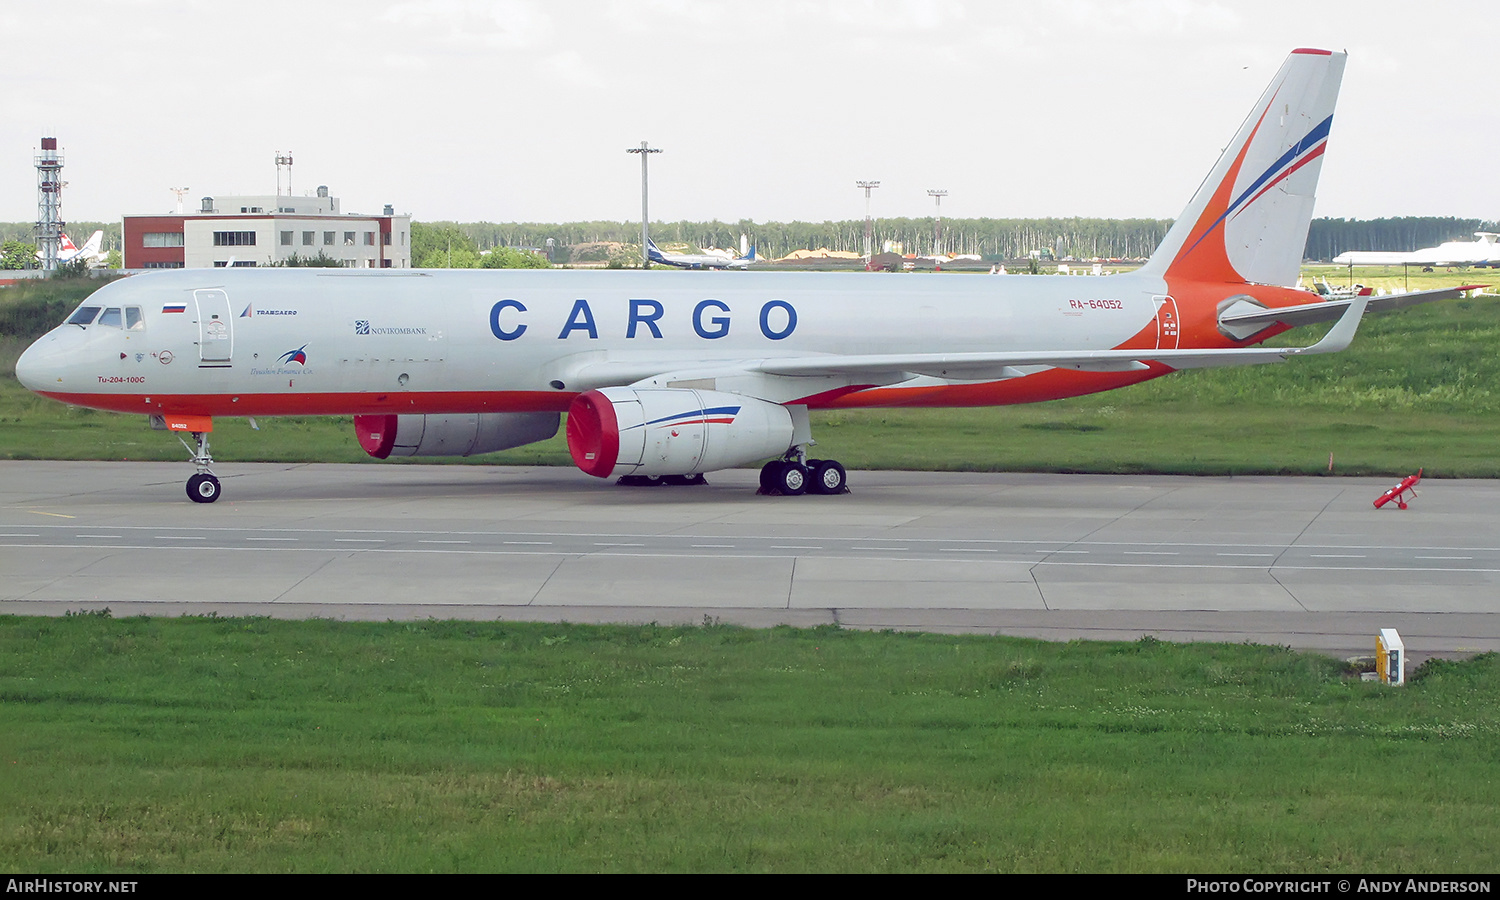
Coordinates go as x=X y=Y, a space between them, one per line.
x=49 y=185
x=937 y=228
x=283 y=159
x=869 y=224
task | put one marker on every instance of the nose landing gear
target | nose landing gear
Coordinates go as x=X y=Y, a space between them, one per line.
x=203 y=487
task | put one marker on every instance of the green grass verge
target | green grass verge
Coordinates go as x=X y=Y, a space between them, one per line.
x=1419 y=388
x=251 y=745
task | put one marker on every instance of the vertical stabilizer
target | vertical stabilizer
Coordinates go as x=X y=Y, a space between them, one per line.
x=1248 y=221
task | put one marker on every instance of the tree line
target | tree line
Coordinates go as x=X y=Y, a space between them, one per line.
x=992 y=239
x=445 y=244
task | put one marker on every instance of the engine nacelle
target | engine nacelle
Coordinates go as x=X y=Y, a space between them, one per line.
x=458 y=434
x=622 y=431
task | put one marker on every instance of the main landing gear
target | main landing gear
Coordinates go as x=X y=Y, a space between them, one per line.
x=202 y=487
x=799 y=475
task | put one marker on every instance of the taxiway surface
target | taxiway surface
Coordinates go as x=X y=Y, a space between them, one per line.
x=1306 y=562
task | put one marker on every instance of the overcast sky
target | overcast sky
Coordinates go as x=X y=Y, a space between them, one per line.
x=511 y=110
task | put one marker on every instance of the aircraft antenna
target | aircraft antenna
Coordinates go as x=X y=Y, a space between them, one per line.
x=869 y=223
x=937 y=228
x=49 y=185
x=644 y=150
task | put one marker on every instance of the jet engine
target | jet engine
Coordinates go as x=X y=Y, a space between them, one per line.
x=460 y=434
x=622 y=431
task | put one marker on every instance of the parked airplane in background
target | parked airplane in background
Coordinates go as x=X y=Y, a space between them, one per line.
x=90 y=252
x=664 y=377
x=697 y=260
x=1481 y=252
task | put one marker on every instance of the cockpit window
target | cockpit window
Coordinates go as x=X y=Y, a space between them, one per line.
x=84 y=315
x=111 y=317
x=133 y=319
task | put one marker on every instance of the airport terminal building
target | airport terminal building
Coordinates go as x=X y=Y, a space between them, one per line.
x=265 y=230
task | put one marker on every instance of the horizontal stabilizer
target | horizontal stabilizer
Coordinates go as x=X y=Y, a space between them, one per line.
x=1248 y=323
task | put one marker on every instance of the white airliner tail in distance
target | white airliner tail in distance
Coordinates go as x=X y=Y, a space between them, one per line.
x=90 y=252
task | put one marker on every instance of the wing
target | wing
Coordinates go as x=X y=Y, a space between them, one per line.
x=787 y=379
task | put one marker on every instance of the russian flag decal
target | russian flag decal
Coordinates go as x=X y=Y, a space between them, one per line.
x=174 y=308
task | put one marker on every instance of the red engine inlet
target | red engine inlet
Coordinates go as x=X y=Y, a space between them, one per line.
x=593 y=434
x=623 y=431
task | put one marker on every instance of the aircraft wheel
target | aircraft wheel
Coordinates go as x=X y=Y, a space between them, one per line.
x=768 y=474
x=828 y=477
x=684 y=480
x=791 y=479
x=202 y=488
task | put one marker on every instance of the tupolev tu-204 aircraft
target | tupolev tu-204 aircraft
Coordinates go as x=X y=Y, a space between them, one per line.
x=665 y=376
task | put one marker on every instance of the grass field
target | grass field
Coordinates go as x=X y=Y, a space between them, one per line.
x=1419 y=388
x=229 y=745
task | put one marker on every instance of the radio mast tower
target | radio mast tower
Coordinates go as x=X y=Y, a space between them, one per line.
x=283 y=159
x=869 y=224
x=49 y=223
x=937 y=228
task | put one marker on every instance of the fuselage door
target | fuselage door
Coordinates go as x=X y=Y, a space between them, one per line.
x=1168 y=323
x=215 y=328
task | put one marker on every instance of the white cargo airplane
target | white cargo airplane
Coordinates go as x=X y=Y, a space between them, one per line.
x=697 y=260
x=665 y=377
x=1483 y=251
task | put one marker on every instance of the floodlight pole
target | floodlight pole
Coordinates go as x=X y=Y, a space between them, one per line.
x=869 y=225
x=644 y=150
x=937 y=229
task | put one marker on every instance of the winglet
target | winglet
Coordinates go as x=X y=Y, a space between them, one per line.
x=1342 y=332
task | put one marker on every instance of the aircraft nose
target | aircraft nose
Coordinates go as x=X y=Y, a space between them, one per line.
x=41 y=365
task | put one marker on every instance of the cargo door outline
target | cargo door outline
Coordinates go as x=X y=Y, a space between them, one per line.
x=215 y=328
x=1168 y=322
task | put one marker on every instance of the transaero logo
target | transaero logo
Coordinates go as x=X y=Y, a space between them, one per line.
x=251 y=312
x=363 y=326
